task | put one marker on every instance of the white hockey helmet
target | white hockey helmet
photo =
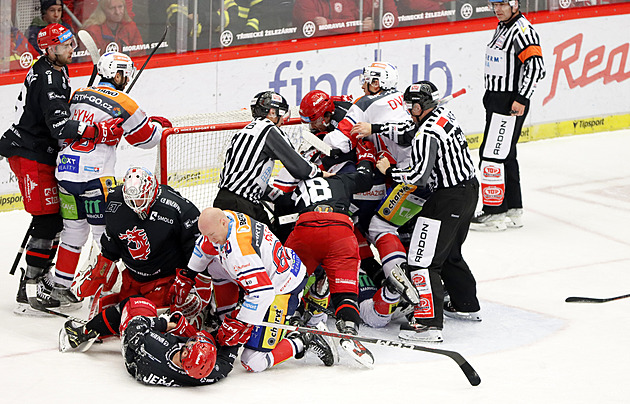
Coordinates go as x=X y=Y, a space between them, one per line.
x=140 y=189
x=385 y=73
x=112 y=62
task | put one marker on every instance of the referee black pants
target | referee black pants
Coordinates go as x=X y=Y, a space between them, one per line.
x=501 y=103
x=454 y=207
x=229 y=200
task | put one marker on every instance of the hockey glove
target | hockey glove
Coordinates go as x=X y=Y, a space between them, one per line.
x=182 y=327
x=181 y=287
x=233 y=332
x=366 y=151
x=106 y=132
x=104 y=272
x=165 y=123
x=388 y=156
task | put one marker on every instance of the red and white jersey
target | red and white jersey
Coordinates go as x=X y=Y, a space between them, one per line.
x=255 y=260
x=83 y=160
x=386 y=107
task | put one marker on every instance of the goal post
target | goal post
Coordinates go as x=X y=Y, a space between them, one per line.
x=192 y=152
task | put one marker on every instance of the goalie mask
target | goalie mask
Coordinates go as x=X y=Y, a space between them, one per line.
x=199 y=355
x=385 y=73
x=263 y=102
x=140 y=189
x=423 y=93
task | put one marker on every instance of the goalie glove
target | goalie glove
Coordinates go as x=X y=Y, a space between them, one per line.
x=366 y=151
x=104 y=272
x=233 y=332
x=106 y=132
x=165 y=123
x=182 y=284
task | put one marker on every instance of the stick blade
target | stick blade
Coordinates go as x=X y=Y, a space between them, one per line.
x=576 y=299
x=471 y=374
x=90 y=45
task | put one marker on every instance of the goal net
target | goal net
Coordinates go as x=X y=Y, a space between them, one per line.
x=192 y=151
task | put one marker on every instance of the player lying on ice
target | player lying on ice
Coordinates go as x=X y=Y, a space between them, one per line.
x=243 y=256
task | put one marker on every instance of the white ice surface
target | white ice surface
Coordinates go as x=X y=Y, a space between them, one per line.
x=531 y=346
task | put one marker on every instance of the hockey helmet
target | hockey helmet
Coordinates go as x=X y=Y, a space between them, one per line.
x=53 y=35
x=512 y=3
x=424 y=93
x=385 y=73
x=263 y=102
x=199 y=355
x=314 y=105
x=140 y=188
x=112 y=62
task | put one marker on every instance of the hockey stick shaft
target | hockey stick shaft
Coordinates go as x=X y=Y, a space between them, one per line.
x=471 y=374
x=31 y=295
x=90 y=45
x=316 y=142
x=576 y=299
x=147 y=61
x=18 y=256
x=450 y=97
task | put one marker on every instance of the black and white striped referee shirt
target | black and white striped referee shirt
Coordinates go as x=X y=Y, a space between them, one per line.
x=514 y=61
x=250 y=159
x=439 y=152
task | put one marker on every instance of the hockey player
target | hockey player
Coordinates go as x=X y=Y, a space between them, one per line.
x=243 y=256
x=250 y=158
x=165 y=351
x=441 y=160
x=31 y=145
x=324 y=235
x=153 y=230
x=514 y=65
x=85 y=169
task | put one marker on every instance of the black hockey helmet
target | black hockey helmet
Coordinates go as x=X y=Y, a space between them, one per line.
x=262 y=103
x=424 y=93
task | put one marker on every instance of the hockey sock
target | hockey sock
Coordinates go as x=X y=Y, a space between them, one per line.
x=385 y=301
x=347 y=307
x=107 y=322
x=66 y=266
x=391 y=251
x=287 y=348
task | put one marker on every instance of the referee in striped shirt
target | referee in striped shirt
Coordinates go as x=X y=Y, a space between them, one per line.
x=440 y=160
x=251 y=156
x=513 y=66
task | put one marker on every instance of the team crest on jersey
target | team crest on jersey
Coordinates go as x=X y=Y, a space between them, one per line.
x=137 y=243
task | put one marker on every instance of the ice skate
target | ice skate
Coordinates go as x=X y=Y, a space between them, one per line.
x=73 y=337
x=22 y=306
x=514 y=218
x=449 y=311
x=413 y=331
x=312 y=342
x=488 y=222
x=399 y=281
x=356 y=349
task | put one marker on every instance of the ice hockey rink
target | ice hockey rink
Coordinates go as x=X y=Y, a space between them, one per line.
x=531 y=346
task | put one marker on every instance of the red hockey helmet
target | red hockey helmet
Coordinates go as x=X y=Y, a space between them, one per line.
x=314 y=105
x=55 y=34
x=199 y=355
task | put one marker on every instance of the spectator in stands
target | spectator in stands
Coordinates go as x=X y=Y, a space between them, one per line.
x=113 y=29
x=372 y=10
x=52 y=11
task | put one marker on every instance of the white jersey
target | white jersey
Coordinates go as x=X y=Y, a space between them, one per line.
x=255 y=260
x=83 y=160
x=386 y=107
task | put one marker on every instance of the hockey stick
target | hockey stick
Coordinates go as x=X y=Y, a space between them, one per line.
x=316 y=142
x=18 y=256
x=450 y=97
x=147 y=61
x=575 y=299
x=468 y=370
x=31 y=294
x=90 y=45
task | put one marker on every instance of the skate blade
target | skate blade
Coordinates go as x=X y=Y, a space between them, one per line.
x=331 y=342
x=25 y=309
x=358 y=352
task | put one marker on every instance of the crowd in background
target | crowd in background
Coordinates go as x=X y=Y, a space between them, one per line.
x=133 y=26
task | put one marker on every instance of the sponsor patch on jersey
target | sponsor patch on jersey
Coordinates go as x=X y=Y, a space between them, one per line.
x=112 y=207
x=68 y=163
x=54 y=96
x=250 y=306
